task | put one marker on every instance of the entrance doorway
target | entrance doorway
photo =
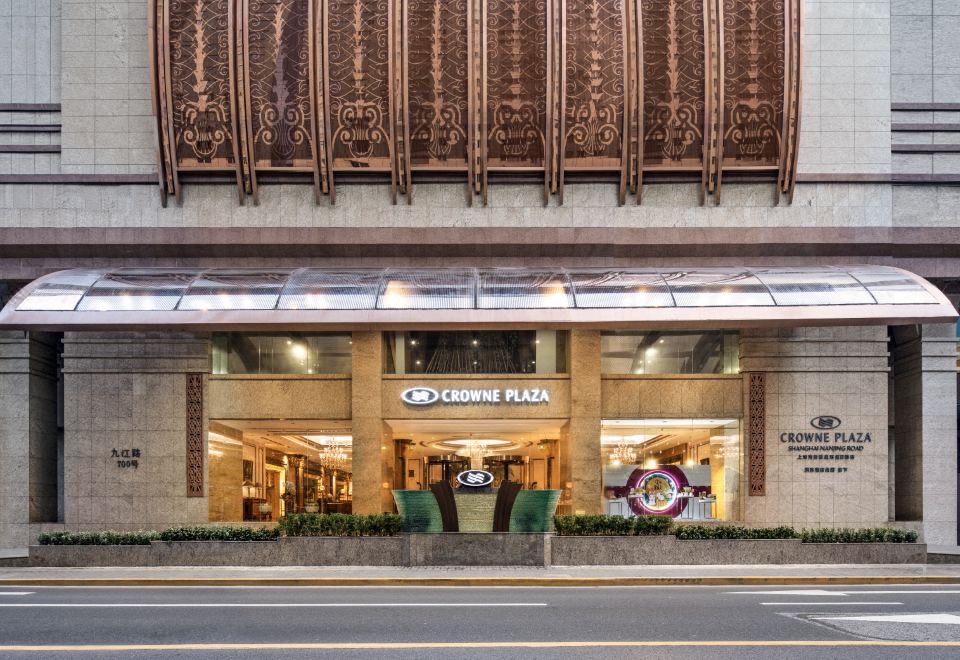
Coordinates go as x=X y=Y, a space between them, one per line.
x=524 y=451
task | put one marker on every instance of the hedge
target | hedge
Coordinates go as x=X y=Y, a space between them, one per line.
x=340 y=524
x=662 y=525
x=612 y=525
x=97 y=538
x=704 y=532
x=869 y=535
x=826 y=535
x=220 y=533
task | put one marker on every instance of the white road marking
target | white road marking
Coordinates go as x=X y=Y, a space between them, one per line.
x=16 y=593
x=823 y=592
x=834 y=603
x=267 y=605
x=951 y=619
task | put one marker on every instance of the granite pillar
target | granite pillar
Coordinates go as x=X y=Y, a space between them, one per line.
x=369 y=451
x=28 y=434
x=583 y=430
x=925 y=429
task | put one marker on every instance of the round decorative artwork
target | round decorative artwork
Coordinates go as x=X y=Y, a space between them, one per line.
x=655 y=491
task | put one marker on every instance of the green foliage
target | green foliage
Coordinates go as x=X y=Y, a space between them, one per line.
x=220 y=533
x=869 y=535
x=706 y=532
x=98 y=538
x=340 y=524
x=612 y=525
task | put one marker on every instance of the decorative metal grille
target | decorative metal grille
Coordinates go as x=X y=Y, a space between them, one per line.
x=756 y=433
x=278 y=78
x=195 y=444
x=358 y=83
x=593 y=85
x=437 y=74
x=472 y=87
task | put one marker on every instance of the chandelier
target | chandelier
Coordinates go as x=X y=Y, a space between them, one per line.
x=476 y=451
x=623 y=453
x=334 y=454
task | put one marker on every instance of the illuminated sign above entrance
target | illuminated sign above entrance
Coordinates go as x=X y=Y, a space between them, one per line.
x=427 y=396
x=475 y=478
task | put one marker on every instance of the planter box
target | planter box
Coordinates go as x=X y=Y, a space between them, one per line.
x=341 y=551
x=667 y=550
x=477 y=549
x=91 y=555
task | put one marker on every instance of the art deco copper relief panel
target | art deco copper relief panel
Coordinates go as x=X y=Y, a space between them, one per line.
x=515 y=84
x=278 y=82
x=753 y=83
x=357 y=85
x=198 y=59
x=437 y=74
x=674 y=79
x=593 y=83
x=513 y=87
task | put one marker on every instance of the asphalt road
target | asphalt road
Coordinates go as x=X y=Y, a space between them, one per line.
x=478 y=622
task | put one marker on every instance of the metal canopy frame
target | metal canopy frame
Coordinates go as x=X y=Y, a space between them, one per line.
x=344 y=298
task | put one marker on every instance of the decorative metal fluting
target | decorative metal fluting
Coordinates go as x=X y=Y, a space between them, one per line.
x=195 y=432
x=548 y=90
x=757 y=432
x=278 y=89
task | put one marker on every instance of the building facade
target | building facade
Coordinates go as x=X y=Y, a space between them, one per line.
x=674 y=256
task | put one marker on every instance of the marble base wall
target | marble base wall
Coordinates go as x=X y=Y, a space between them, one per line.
x=126 y=392
x=836 y=372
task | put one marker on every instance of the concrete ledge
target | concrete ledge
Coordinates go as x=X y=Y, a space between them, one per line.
x=477 y=549
x=659 y=550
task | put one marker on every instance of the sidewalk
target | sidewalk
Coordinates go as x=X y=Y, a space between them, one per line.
x=484 y=576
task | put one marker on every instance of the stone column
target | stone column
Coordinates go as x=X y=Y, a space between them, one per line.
x=840 y=372
x=925 y=429
x=369 y=474
x=28 y=435
x=584 y=427
x=128 y=391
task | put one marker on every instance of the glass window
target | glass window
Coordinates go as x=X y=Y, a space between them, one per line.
x=670 y=352
x=685 y=468
x=500 y=352
x=281 y=353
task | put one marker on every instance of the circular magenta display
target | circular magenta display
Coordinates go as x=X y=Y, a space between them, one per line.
x=655 y=491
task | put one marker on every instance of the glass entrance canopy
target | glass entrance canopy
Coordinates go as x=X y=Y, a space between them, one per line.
x=475 y=297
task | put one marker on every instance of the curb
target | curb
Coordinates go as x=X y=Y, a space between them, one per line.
x=748 y=580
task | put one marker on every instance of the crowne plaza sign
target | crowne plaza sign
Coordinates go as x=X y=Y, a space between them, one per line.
x=427 y=396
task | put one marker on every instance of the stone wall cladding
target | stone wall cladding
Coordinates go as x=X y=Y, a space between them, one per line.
x=128 y=390
x=846 y=90
x=839 y=371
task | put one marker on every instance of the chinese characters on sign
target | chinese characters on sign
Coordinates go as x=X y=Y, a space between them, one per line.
x=126 y=458
x=824 y=445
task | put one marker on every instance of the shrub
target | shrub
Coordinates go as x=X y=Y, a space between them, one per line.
x=98 y=538
x=612 y=525
x=220 y=533
x=708 y=532
x=868 y=535
x=340 y=524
